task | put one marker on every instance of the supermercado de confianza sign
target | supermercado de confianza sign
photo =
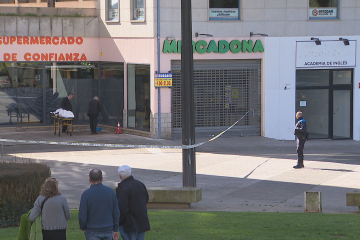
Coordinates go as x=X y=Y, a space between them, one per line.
x=45 y=48
x=221 y=46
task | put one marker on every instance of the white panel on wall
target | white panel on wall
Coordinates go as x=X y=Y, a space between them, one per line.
x=279 y=89
x=330 y=54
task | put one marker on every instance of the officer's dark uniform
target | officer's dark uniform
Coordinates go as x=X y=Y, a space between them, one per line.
x=300 y=133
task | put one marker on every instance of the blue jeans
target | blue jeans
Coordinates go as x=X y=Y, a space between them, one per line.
x=99 y=235
x=131 y=235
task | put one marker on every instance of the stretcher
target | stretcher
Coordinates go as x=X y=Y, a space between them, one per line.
x=61 y=121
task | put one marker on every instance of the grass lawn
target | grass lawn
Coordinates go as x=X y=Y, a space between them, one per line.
x=188 y=225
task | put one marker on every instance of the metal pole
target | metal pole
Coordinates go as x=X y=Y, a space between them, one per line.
x=44 y=92
x=99 y=88
x=187 y=95
x=2 y=148
x=158 y=45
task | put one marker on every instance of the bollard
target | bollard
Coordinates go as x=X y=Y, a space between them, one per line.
x=313 y=202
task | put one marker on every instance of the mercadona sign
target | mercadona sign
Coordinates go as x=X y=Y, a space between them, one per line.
x=221 y=46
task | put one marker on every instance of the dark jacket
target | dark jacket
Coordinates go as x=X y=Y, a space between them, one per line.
x=66 y=104
x=94 y=108
x=300 y=128
x=132 y=199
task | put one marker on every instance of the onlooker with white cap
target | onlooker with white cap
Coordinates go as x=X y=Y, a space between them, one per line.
x=132 y=198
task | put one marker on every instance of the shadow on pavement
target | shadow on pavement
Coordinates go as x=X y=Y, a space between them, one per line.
x=236 y=173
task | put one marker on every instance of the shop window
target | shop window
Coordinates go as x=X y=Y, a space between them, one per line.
x=138 y=111
x=21 y=89
x=51 y=3
x=7 y=1
x=112 y=93
x=138 y=10
x=79 y=78
x=26 y=1
x=323 y=9
x=86 y=80
x=312 y=78
x=224 y=9
x=112 y=10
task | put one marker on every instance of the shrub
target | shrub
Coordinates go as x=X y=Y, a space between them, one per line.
x=20 y=185
x=30 y=15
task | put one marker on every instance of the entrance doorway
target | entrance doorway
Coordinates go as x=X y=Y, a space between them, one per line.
x=138 y=96
x=325 y=98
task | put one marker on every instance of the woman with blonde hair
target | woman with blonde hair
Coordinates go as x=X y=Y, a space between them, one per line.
x=54 y=211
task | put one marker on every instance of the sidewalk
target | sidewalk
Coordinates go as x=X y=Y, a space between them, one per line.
x=235 y=173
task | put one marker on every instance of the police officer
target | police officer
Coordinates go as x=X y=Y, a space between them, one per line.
x=301 y=135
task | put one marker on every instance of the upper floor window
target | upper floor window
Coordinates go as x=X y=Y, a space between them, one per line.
x=26 y=1
x=112 y=10
x=224 y=9
x=138 y=10
x=323 y=9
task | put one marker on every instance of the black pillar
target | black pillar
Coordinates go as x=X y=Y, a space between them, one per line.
x=187 y=95
x=44 y=80
x=99 y=89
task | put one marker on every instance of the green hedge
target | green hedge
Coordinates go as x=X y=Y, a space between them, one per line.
x=20 y=185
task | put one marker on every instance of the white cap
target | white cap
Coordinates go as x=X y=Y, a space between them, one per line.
x=124 y=170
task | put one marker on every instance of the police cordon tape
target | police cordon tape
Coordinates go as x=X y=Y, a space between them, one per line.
x=122 y=145
x=88 y=144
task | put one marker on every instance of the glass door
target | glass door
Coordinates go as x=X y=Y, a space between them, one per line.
x=341 y=114
x=138 y=96
x=325 y=98
x=341 y=104
x=314 y=103
x=312 y=98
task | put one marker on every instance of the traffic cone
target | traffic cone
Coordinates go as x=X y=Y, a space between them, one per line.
x=118 y=130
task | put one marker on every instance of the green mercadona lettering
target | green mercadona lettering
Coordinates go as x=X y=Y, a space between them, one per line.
x=222 y=46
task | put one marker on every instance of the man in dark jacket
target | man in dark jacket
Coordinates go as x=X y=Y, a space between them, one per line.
x=132 y=199
x=300 y=133
x=93 y=113
x=66 y=104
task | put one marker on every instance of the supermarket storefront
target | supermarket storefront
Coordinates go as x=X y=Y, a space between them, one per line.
x=37 y=72
x=227 y=85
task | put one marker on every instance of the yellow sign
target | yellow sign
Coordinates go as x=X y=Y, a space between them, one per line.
x=163 y=80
